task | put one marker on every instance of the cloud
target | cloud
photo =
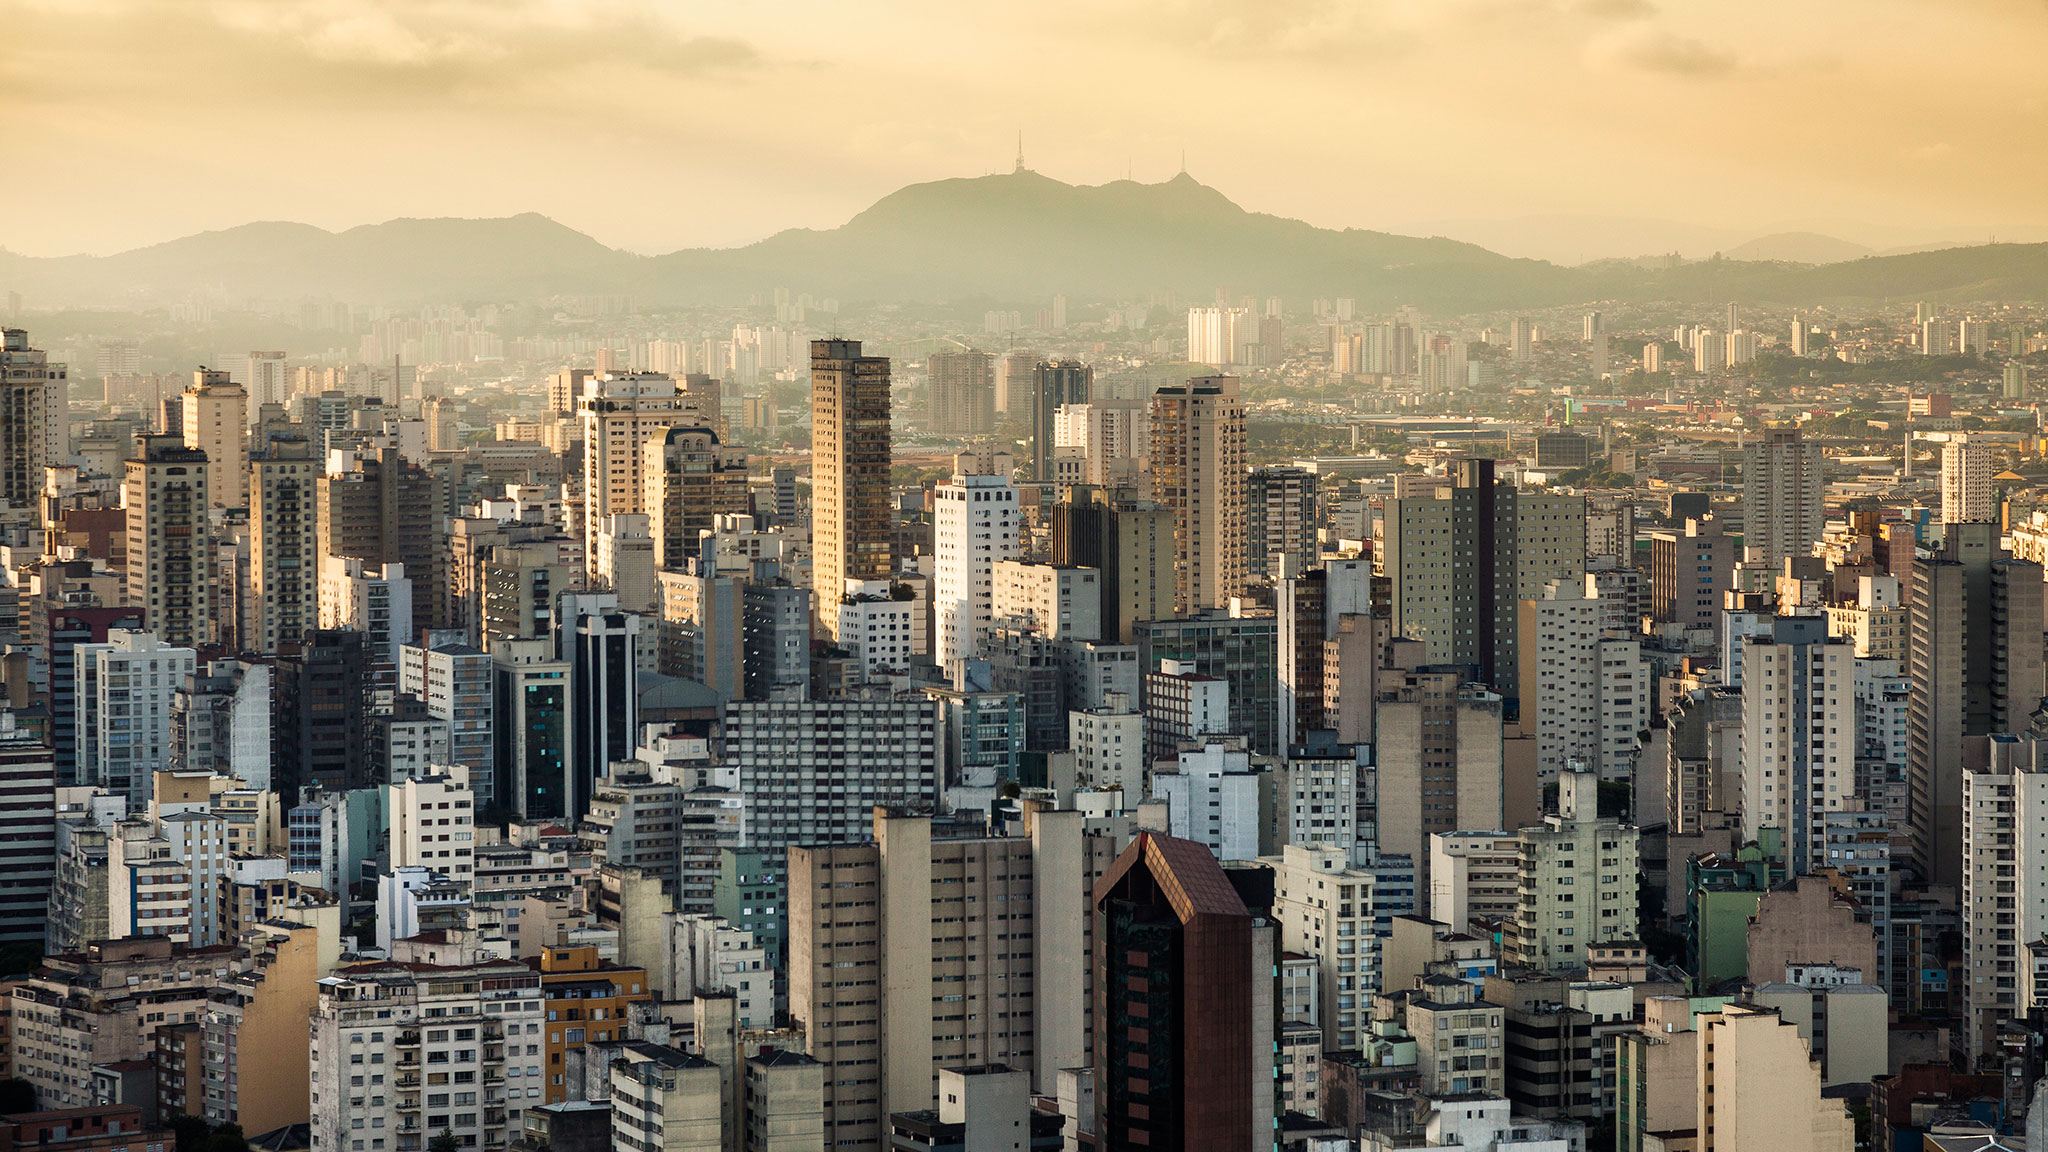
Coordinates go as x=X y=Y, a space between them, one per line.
x=1665 y=52
x=1618 y=9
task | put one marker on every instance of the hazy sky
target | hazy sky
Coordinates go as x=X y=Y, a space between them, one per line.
x=656 y=125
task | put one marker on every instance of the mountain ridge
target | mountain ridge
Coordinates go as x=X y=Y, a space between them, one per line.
x=1003 y=238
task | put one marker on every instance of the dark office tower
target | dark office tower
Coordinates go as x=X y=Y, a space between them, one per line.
x=963 y=393
x=1179 y=1015
x=1057 y=382
x=320 y=716
x=530 y=709
x=1131 y=542
x=1280 y=518
x=849 y=471
x=1244 y=651
x=386 y=510
x=1975 y=666
x=599 y=643
x=1460 y=567
x=776 y=636
x=28 y=833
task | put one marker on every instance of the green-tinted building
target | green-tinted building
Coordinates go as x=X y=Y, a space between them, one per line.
x=1721 y=894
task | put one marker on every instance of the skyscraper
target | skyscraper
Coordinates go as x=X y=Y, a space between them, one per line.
x=170 y=564
x=600 y=644
x=849 y=471
x=1280 y=520
x=1460 y=567
x=1784 y=495
x=1975 y=668
x=1798 y=737
x=962 y=384
x=531 y=709
x=975 y=523
x=1131 y=541
x=267 y=381
x=1966 y=493
x=622 y=413
x=215 y=421
x=1057 y=383
x=34 y=432
x=283 y=572
x=690 y=479
x=1183 y=1004
x=1198 y=472
x=382 y=508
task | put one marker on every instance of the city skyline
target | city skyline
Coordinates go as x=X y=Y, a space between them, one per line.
x=488 y=110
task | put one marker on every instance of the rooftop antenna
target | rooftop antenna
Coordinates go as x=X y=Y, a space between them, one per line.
x=1183 y=161
x=1020 y=150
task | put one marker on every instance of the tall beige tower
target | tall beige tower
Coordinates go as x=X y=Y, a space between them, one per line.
x=216 y=420
x=170 y=564
x=849 y=471
x=690 y=479
x=34 y=420
x=622 y=412
x=1198 y=471
x=283 y=570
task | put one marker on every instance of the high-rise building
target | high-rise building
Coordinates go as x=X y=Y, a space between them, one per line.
x=1521 y=338
x=1130 y=541
x=887 y=1051
x=35 y=418
x=622 y=413
x=374 y=599
x=2005 y=880
x=320 y=728
x=1460 y=566
x=1801 y=336
x=1184 y=1005
x=1114 y=437
x=1218 y=336
x=267 y=380
x=1577 y=882
x=1586 y=685
x=601 y=645
x=1798 y=737
x=28 y=825
x=1975 y=668
x=1437 y=743
x=170 y=564
x=2014 y=381
x=283 y=596
x=384 y=509
x=975 y=524
x=124 y=691
x=962 y=385
x=1937 y=337
x=775 y=619
x=1966 y=492
x=1691 y=570
x=1784 y=495
x=849 y=470
x=424 y=1008
x=531 y=707
x=454 y=681
x=1280 y=520
x=1056 y=383
x=1198 y=471
x=691 y=480
x=1241 y=651
x=215 y=421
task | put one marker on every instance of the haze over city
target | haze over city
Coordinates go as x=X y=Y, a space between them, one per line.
x=657 y=126
x=1116 y=576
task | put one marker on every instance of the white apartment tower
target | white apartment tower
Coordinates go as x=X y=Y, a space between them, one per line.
x=1966 y=493
x=1590 y=686
x=975 y=523
x=1799 y=735
x=124 y=690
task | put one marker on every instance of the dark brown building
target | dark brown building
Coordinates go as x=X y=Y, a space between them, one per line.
x=1178 y=1023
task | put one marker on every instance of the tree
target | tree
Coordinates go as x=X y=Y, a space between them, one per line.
x=227 y=1138
x=17 y=1095
x=191 y=1132
x=445 y=1142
